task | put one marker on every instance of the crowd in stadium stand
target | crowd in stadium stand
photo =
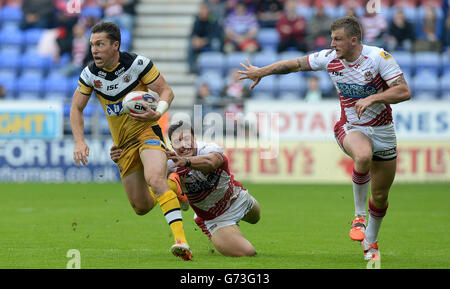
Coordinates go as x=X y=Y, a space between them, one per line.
x=225 y=32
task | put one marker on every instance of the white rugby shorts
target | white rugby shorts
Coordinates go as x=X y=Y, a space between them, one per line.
x=240 y=207
x=383 y=139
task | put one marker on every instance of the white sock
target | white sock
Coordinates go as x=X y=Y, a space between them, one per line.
x=372 y=230
x=361 y=184
x=375 y=219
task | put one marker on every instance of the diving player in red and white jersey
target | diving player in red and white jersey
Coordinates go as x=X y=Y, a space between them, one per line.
x=367 y=80
x=218 y=200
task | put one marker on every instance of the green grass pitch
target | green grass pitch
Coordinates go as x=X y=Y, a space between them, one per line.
x=301 y=226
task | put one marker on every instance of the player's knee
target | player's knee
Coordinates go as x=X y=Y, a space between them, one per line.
x=379 y=199
x=363 y=158
x=159 y=184
x=140 y=211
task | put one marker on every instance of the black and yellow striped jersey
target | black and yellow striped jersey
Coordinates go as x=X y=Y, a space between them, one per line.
x=133 y=72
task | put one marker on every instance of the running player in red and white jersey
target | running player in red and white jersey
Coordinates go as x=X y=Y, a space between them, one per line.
x=367 y=80
x=218 y=200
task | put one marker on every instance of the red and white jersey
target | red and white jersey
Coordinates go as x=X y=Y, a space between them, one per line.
x=209 y=195
x=369 y=74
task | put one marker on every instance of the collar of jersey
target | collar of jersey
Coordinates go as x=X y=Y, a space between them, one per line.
x=112 y=69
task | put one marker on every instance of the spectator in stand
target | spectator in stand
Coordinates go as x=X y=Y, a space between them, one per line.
x=313 y=93
x=37 y=14
x=447 y=33
x=206 y=35
x=268 y=12
x=401 y=32
x=2 y=92
x=236 y=91
x=374 y=27
x=318 y=29
x=80 y=48
x=113 y=11
x=292 y=29
x=428 y=40
x=218 y=10
x=241 y=29
x=209 y=101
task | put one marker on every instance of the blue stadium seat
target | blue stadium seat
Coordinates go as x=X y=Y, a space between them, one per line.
x=267 y=85
x=33 y=60
x=264 y=58
x=10 y=60
x=292 y=83
x=262 y=95
x=92 y=11
x=444 y=86
x=268 y=38
x=214 y=61
x=33 y=35
x=11 y=37
x=11 y=14
x=55 y=86
x=290 y=55
x=9 y=83
x=445 y=63
x=405 y=60
x=425 y=85
x=30 y=83
x=428 y=61
x=234 y=59
x=215 y=81
x=125 y=39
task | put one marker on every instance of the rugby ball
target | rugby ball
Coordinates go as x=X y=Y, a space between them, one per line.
x=133 y=101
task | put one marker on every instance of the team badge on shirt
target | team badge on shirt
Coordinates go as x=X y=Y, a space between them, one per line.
x=368 y=76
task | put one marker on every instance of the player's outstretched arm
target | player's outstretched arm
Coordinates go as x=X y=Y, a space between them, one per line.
x=204 y=163
x=281 y=67
x=81 y=149
x=398 y=91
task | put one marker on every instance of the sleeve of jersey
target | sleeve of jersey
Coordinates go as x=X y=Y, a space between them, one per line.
x=83 y=84
x=320 y=60
x=389 y=69
x=149 y=74
x=210 y=148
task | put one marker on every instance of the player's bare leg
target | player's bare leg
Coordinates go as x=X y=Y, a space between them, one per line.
x=155 y=170
x=383 y=173
x=359 y=147
x=229 y=241
x=138 y=193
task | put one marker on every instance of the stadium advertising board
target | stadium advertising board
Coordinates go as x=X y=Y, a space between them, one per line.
x=297 y=120
x=26 y=120
x=46 y=161
x=324 y=162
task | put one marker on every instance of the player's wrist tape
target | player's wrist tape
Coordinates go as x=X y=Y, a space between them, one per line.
x=162 y=107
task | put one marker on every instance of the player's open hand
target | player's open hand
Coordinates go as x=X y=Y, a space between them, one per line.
x=250 y=72
x=115 y=152
x=81 y=153
x=150 y=115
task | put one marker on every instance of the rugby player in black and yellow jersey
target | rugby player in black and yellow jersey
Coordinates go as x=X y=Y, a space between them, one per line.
x=143 y=161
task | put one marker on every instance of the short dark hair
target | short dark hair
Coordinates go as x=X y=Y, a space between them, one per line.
x=179 y=125
x=111 y=29
x=351 y=25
